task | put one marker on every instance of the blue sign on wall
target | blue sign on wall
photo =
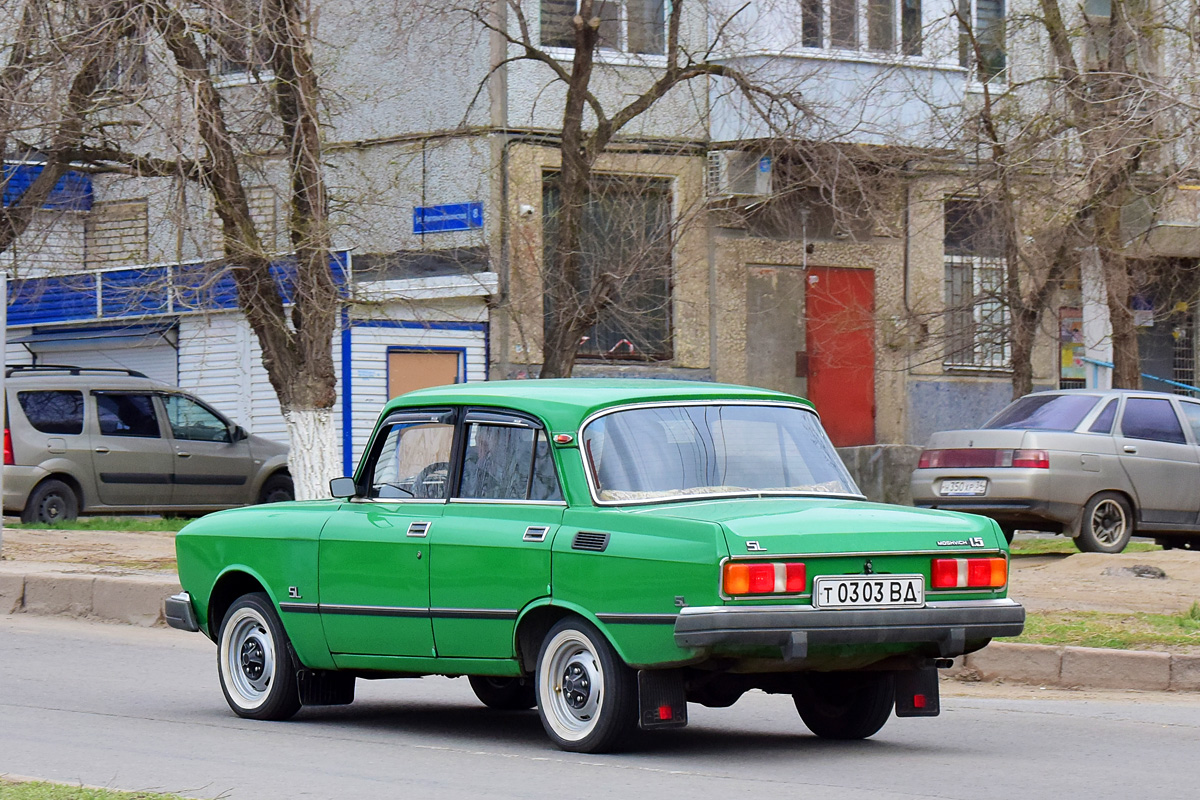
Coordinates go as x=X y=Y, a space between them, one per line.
x=449 y=217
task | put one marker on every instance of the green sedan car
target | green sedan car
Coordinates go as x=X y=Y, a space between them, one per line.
x=605 y=550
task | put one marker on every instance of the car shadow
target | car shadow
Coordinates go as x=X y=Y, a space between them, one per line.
x=476 y=726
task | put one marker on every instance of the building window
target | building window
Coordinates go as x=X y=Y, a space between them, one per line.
x=869 y=25
x=977 y=318
x=981 y=38
x=238 y=42
x=625 y=249
x=627 y=26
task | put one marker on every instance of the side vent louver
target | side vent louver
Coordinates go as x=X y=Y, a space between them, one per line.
x=586 y=540
x=418 y=529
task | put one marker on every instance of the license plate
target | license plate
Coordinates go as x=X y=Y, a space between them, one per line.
x=869 y=591
x=964 y=488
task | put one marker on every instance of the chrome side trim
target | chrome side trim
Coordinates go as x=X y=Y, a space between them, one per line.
x=374 y=611
x=487 y=501
x=638 y=619
x=472 y=613
x=300 y=608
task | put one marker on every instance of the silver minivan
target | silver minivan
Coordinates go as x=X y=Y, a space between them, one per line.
x=1095 y=465
x=86 y=440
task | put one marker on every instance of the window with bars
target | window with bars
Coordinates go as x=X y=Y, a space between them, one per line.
x=981 y=47
x=624 y=248
x=627 y=26
x=1184 y=356
x=977 y=318
x=881 y=26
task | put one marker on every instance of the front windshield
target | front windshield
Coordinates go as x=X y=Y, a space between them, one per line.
x=646 y=454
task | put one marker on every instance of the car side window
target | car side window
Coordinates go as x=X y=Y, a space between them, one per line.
x=413 y=461
x=53 y=412
x=1104 y=422
x=508 y=463
x=1191 y=412
x=193 y=422
x=127 y=415
x=1151 y=418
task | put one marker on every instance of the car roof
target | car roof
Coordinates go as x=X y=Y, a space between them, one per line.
x=1106 y=393
x=82 y=378
x=565 y=402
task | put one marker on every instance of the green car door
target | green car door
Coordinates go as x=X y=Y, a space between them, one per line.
x=374 y=552
x=491 y=549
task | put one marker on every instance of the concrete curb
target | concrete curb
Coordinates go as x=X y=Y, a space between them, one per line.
x=131 y=599
x=1082 y=667
x=137 y=599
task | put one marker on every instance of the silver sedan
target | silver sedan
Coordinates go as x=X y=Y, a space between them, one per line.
x=1094 y=465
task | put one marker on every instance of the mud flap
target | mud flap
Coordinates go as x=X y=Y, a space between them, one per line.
x=917 y=693
x=662 y=702
x=320 y=687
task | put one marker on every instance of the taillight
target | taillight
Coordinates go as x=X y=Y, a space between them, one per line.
x=9 y=459
x=968 y=573
x=982 y=458
x=1031 y=459
x=741 y=578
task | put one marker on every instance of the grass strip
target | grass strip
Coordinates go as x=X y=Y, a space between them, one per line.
x=1139 y=631
x=105 y=524
x=42 y=790
x=1065 y=546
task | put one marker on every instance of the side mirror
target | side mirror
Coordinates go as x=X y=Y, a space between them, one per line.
x=343 y=487
x=239 y=434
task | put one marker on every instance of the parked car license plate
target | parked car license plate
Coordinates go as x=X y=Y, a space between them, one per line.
x=869 y=591
x=964 y=488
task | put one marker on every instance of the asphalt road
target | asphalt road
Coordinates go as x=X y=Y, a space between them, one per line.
x=131 y=708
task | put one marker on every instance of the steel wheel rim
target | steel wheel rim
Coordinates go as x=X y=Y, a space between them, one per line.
x=1108 y=521
x=54 y=507
x=572 y=683
x=248 y=657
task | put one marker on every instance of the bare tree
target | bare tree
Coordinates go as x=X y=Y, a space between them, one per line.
x=577 y=294
x=1061 y=148
x=56 y=62
x=295 y=334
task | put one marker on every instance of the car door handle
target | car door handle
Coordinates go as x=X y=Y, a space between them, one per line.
x=182 y=454
x=1130 y=448
x=101 y=449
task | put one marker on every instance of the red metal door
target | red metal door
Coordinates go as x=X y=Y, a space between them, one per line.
x=840 y=339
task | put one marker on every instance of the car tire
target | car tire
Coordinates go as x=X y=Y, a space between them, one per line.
x=586 y=695
x=1106 y=525
x=846 y=705
x=254 y=661
x=277 y=489
x=50 y=502
x=503 y=694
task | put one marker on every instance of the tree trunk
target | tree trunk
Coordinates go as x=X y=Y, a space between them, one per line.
x=314 y=457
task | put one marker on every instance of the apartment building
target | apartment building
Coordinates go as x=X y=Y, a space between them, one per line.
x=842 y=253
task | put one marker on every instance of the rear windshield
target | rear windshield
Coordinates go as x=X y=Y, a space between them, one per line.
x=1045 y=412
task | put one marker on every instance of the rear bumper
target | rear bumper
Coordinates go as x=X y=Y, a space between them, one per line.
x=947 y=625
x=18 y=483
x=180 y=614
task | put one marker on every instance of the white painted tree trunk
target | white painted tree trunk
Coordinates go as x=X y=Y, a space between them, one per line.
x=314 y=457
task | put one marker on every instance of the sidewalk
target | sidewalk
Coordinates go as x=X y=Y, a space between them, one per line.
x=135 y=597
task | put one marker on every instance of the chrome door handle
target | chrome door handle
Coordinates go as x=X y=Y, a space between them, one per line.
x=101 y=449
x=182 y=454
x=1130 y=448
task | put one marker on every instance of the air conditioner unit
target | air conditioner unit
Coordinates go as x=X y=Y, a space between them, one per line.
x=738 y=173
